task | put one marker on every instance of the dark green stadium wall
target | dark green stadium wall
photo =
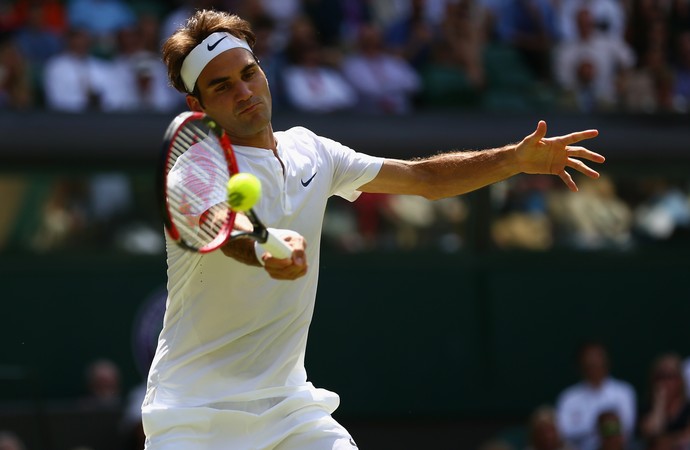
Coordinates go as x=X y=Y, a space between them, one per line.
x=396 y=335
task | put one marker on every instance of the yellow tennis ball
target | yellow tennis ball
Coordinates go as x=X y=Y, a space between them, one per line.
x=244 y=190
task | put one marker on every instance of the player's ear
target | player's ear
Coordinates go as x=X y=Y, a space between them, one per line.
x=193 y=103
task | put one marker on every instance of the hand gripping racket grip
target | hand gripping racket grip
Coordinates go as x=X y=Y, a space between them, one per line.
x=277 y=247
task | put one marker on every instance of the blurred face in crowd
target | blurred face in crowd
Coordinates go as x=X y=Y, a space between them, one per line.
x=79 y=42
x=544 y=434
x=594 y=364
x=610 y=432
x=585 y=23
x=234 y=91
x=667 y=375
x=104 y=380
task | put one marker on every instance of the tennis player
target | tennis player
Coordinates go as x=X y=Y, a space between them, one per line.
x=229 y=368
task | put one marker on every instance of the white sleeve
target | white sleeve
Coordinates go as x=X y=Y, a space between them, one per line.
x=351 y=169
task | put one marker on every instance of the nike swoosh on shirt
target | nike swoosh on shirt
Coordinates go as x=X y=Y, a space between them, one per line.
x=211 y=47
x=306 y=183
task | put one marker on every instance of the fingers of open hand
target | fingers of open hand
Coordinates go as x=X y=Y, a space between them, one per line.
x=578 y=136
x=581 y=152
x=568 y=180
x=582 y=168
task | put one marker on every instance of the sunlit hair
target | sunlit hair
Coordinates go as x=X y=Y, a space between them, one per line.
x=195 y=30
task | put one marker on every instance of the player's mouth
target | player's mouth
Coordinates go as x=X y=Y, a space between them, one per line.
x=249 y=109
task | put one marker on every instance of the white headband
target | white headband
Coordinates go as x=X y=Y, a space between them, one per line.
x=202 y=54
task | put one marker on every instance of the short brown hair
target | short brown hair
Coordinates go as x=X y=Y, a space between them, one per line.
x=196 y=29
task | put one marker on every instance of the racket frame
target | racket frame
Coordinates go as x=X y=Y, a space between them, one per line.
x=276 y=246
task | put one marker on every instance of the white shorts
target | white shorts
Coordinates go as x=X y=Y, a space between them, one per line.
x=309 y=428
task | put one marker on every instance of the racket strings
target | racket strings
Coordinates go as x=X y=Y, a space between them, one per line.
x=203 y=175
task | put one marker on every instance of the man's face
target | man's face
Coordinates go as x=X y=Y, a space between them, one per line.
x=594 y=364
x=234 y=92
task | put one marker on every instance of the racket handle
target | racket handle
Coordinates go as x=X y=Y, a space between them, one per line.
x=277 y=247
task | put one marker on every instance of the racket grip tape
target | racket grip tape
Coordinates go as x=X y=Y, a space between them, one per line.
x=276 y=246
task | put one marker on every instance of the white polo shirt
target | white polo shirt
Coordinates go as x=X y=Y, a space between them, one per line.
x=234 y=339
x=579 y=405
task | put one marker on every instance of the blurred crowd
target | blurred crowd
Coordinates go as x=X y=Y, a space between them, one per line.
x=116 y=211
x=527 y=212
x=601 y=411
x=369 y=56
x=604 y=412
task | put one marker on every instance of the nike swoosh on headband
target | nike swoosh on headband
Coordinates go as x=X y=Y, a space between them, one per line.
x=210 y=47
x=214 y=44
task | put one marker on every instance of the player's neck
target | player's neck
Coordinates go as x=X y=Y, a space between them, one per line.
x=264 y=139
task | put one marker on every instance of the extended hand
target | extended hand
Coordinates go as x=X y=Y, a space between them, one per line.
x=538 y=154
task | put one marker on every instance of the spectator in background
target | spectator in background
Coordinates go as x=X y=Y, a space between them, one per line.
x=51 y=13
x=76 y=81
x=411 y=36
x=142 y=76
x=589 y=68
x=609 y=18
x=664 y=212
x=103 y=385
x=15 y=81
x=579 y=406
x=386 y=84
x=681 y=73
x=529 y=26
x=10 y=441
x=38 y=40
x=649 y=88
x=101 y=19
x=543 y=433
x=311 y=84
x=600 y=219
x=666 y=416
x=523 y=222
x=455 y=75
x=610 y=432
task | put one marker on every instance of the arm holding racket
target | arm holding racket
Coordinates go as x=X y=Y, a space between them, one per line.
x=282 y=255
x=197 y=163
x=457 y=173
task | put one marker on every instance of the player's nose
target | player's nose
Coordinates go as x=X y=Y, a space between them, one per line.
x=243 y=91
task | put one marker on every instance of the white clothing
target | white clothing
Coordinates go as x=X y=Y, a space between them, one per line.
x=229 y=367
x=609 y=16
x=69 y=80
x=385 y=83
x=317 y=89
x=607 y=55
x=143 y=83
x=578 y=407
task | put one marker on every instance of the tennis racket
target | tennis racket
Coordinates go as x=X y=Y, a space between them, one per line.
x=196 y=164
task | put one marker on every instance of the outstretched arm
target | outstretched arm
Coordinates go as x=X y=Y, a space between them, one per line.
x=457 y=173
